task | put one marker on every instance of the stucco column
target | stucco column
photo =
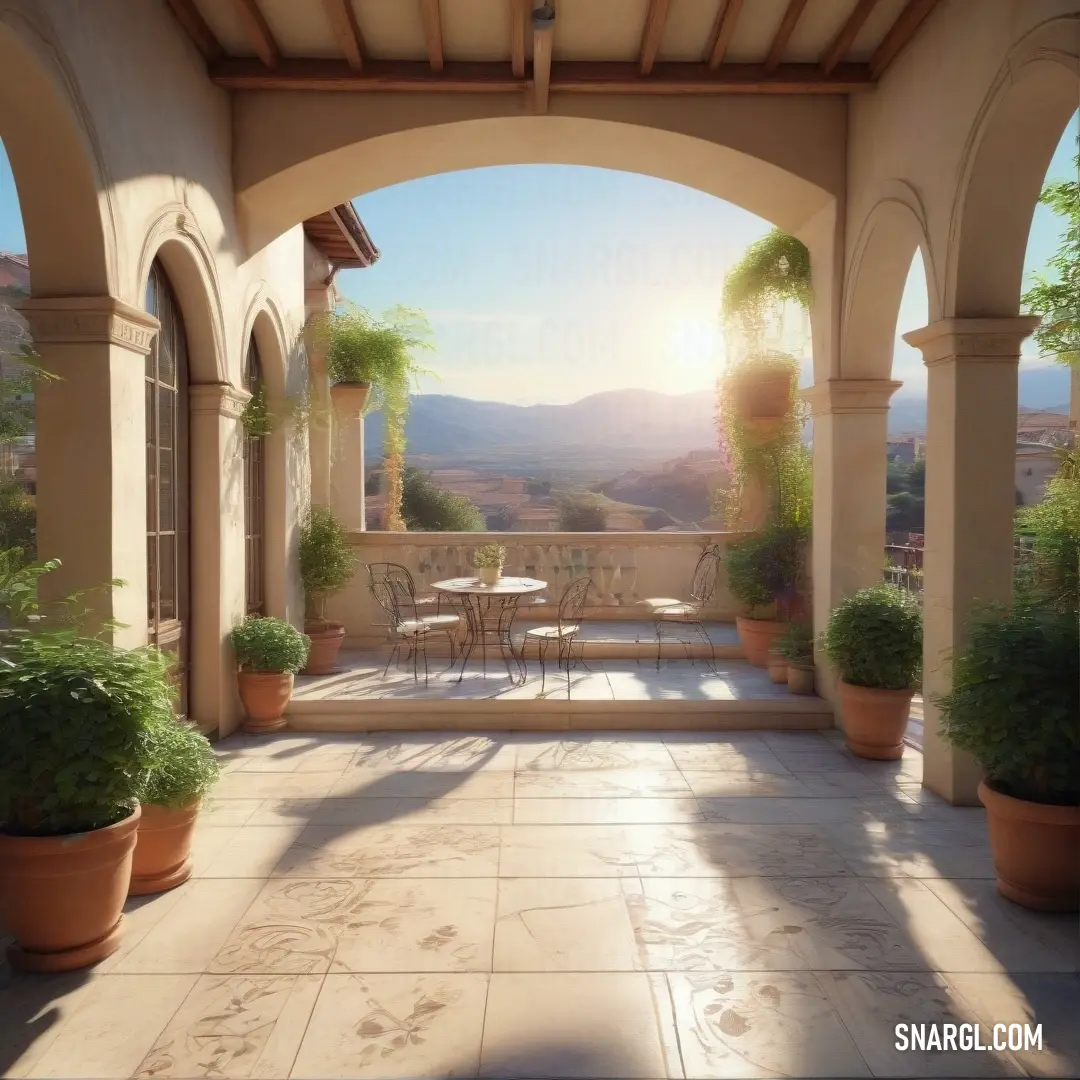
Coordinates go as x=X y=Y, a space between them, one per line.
x=91 y=453
x=217 y=551
x=317 y=303
x=850 y=448
x=970 y=506
x=347 y=468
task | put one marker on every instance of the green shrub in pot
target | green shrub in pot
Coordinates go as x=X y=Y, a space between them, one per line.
x=1014 y=706
x=327 y=565
x=796 y=646
x=874 y=640
x=269 y=652
x=76 y=715
x=183 y=769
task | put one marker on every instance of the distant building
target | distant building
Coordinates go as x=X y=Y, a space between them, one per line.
x=906 y=448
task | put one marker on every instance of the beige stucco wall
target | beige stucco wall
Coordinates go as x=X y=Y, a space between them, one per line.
x=113 y=130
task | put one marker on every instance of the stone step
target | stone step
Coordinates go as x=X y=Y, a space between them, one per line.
x=608 y=695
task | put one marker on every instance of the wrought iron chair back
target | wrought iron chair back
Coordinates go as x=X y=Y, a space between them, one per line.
x=706 y=575
x=572 y=604
x=386 y=596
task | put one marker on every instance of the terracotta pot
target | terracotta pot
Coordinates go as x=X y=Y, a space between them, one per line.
x=489 y=575
x=163 y=852
x=757 y=637
x=778 y=669
x=763 y=391
x=326 y=639
x=800 y=680
x=874 y=720
x=1035 y=848
x=63 y=896
x=265 y=696
x=350 y=398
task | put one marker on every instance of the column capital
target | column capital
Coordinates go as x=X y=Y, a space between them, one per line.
x=84 y=320
x=850 y=396
x=219 y=399
x=973 y=340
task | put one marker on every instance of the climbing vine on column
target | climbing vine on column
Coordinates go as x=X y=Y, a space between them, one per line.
x=362 y=349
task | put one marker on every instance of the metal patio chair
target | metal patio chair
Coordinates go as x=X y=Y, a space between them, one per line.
x=564 y=632
x=394 y=591
x=668 y=611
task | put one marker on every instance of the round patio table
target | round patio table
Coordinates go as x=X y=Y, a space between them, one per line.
x=489 y=615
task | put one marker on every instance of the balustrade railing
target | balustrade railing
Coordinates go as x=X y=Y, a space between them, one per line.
x=625 y=568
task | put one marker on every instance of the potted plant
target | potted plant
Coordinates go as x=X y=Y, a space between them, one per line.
x=73 y=760
x=365 y=354
x=874 y=640
x=327 y=564
x=1013 y=706
x=796 y=645
x=269 y=652
x=183 y=768
x=776 y=665
x=489 y=560
x=763 y=574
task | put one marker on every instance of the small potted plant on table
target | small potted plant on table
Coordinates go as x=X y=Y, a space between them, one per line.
x=796 y=646
x=183 y=769
x=73 y=760
x=763 y=574
x=327 y=565
x=1014 y=706
x=874 y=640
x=489 y=560
x=269 y=652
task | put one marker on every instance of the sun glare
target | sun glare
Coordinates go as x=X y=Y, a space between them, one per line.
x=695 y=351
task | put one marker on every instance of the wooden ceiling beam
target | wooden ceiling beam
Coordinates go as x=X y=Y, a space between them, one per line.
x=346 y=30
x=543 y=42
x=257 y=31
x=723 y=33
x=431 y=15
x=412 y=76
x=519 y=19
x=783 y=34
x=843 y=41
x=196 y=28
x=900 y=34
x=652 y=34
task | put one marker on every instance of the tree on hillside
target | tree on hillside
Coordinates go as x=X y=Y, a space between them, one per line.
x=425 y=507
x=906 y=496
x=1055 y=296
x=502 y=520
x=582 y=515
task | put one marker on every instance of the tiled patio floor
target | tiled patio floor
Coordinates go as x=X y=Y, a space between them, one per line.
x=755 y=905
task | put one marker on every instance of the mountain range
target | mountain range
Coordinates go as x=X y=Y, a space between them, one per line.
x=616 y=427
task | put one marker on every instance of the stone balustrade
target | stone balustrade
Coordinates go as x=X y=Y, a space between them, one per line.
x=625 y=569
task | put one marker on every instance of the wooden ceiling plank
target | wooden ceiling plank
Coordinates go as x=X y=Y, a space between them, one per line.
x=652 y=34
x=346 y=30
x=196 y=28
x=431 y=15
x=257 y=31
x=900 y=34
x=519 y=18
x=783 y=34
x=838 y=47
x=413 y=76
x=725 y=30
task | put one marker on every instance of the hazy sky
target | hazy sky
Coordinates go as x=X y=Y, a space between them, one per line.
x=548 y=283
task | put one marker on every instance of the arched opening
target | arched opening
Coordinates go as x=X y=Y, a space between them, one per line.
x=168 y=510
x=254 y=491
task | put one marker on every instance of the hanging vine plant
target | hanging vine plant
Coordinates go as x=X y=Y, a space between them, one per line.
x=256 y=417
x=759 y=415
x=364 y=350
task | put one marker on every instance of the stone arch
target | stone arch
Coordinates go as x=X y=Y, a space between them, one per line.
x=62 y=186
x=264 y=322
x=283 y=182
x=174 y=238
x=1012 y=142
x=893 y=231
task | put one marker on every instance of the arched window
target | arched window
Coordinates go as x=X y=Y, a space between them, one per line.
x=167 y=511
x=254 y=494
